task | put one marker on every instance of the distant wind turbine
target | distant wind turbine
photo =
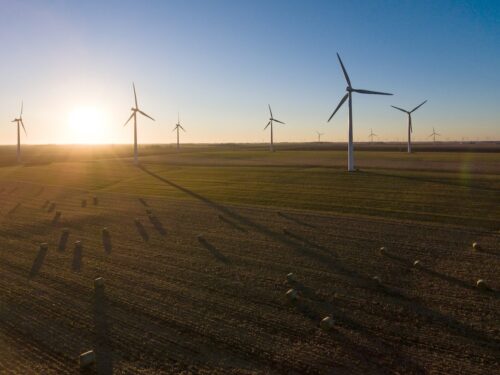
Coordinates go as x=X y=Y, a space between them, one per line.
x=350 y=90
x=271 y=120
x=434 y=135
x=134 y=115
x=18 y=121
x=177 y=127
x=410 y=129
x=371 y=135
x=319 y=136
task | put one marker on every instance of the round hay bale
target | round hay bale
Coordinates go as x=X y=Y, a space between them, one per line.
x=476 y=246
x=292 y=295
x=417 y=263
x=377 y=280
x=99 y=282
x=481 y=284
x=327 y=323
x=78 y=244
x=383 y=250
x=291 y=278
x=87 y=359
x=105 y=230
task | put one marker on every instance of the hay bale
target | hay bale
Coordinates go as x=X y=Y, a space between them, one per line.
x=377 y=280
x=87 y=359
x=417 y=263
x=292 y=295
x=78 y=245
x=476 y=246
x=481 y=284
x=291 y=278
x=383 y=250
x=99 y=283
x=327 y=323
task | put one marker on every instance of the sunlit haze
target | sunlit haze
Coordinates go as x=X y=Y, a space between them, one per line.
x=219 y=63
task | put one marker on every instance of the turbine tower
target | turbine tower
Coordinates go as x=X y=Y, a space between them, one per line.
x=371 y=135
x=177 y=126
x=348 y=95
x=434 y=135
x=134 y=115
x=18 y=121
x=271 y=120
x=410 y=129
x=319 y=136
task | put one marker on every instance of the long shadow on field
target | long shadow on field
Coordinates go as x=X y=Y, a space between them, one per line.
x=231 y=223
x=431 y=180
x=106 y=241
x=376 y=355
x=39 y=192
x=14 y=209
x=327 y=260
x=37 y=264
x=304 y=240
x=295 y=220
x=141 y=230
x=102 y=345
x=213 y=250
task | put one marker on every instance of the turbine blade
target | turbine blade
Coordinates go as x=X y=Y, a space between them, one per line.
x=130 y=118
x=438 y=134
x=182 y=128
x=431 y=135
x=418 y=106
x=345 y=71
x=340 y=105
x=22 y=105
x=269 y=123
x=281 y=122
x=401 y=109
x=22 y=123
x=145 y=114
x=135 y=95
x=370 y=92
x=175 y=127
x=271 y=112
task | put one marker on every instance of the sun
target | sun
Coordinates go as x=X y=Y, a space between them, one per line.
x=87 y=125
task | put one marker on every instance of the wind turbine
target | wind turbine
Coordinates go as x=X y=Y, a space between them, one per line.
x=177 y=126
x=348 y=95
x=410 y=129
x=371 y=135
x=319 y=136
x=271 y=120
x=18 y=121
x=134 y=115
x=433 y=135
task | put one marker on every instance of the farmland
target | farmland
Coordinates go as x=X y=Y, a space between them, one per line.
x=201 y=241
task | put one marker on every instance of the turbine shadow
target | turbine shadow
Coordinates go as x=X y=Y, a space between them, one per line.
x=231 y=223
x=143 y=202
x=295 y=220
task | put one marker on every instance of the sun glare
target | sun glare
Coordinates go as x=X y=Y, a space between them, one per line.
x=87 y=125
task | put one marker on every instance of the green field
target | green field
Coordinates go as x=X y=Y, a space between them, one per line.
x=202 y=241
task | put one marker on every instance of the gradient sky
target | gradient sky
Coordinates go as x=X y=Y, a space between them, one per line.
x=221 y=62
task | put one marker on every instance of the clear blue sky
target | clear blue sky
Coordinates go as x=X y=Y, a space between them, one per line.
x=221 y=62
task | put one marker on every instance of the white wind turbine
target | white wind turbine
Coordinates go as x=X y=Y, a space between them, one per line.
x=177 y=126
x=371 y=135
x=271 y=120
x=134 y=115
x=18 y=121
x=434 y=135
x=410 y=128
x=319 y=136
x=350 y=90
